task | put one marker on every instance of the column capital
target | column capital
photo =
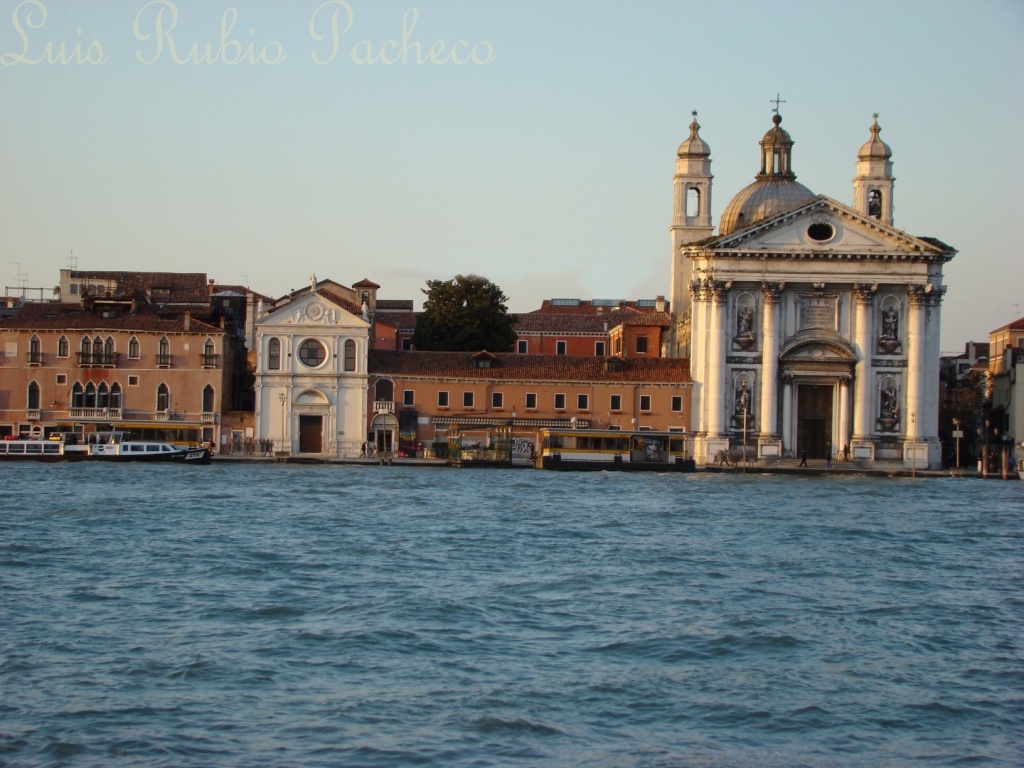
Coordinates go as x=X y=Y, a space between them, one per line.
x=787 y=378
x=865 y=291
x=920 y=295
x=771 y=290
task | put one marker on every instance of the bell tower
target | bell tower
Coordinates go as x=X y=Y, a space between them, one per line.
x=691 y=222
x=874 y=182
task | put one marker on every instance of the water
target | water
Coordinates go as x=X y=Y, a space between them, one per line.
x=366 y=616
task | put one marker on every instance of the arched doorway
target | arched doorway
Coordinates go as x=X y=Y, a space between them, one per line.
x=311 y=407
x=384 y=431
x=816 y=371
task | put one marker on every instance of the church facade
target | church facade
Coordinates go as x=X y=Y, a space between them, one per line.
x=812 y=326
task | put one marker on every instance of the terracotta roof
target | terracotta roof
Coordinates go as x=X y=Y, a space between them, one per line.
x=344 y=303
x=557 y=322
x=589 y=306
x=71 y=317
x=509 y=366
x=184 y=286
x=396 y=305
x=364 y=283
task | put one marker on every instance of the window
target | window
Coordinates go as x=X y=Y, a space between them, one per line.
x=163 y=355
x=350 y=355
x=599 y=348
x=384 y=391
x=408 y=397
x=559 y=402
x=312 y=353
x=102 y=395
x=618 y=345
x=63 y=347
x=115 y=395
x=35 y=353
x=85 y=350
x=522 y=346
x=208 y=396
x=209 y=355
x=163 y=398
x=133 y=381
x=74 y=288
x=97 y=350
x=274 y=355
x=497 y=400
x=641 y=345
x=531 y=400
x=645 y=402
x=560 y=347
x=582 y=402
x=616 y=403
x=133 y=348
x=33 y=396
x=77 y=396
x=677 y=403
x=108 y=351
x=90 y=395
x=692 y=202
x=406 y=345
x=442 y=399
x=467 y=399
x=62 y=378
x=875 y=204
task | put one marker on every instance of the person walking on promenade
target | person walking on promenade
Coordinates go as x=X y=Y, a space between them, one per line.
x=803 y=458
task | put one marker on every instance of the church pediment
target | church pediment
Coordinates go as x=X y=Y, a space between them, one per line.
x=314 y=309
x=824 y=227
x=817 y=347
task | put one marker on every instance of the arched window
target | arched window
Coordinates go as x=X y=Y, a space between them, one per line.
x=384 y=391
x=62 y=347
x=133 y=348
x=86 y=350
x=208 y=399
x=102 y=395
x=692 y=202
x=350 y=355
x=90 y=395
x=274 y=355
x=97 y=350
x=35 y=352
x=163 y=398
x=33 y=396
x=115 y=395
x=209 y=356
x=77 y=396
x=163 y=355
x=875 y=203
x=108 y=351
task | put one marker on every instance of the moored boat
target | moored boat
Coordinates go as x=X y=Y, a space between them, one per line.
x=101 y=447
x=614 y=450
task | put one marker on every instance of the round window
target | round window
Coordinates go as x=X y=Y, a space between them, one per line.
x=821 y=232
x=312 y=352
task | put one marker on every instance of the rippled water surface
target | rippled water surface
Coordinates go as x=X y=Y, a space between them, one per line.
x=241 y=615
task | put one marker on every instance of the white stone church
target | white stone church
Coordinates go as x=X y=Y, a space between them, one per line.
x=812 y=326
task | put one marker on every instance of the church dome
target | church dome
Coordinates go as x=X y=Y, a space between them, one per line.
x=875 y=147
x=775 y=188
x=694 y=146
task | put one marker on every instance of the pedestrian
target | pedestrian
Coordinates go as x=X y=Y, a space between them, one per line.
x=803 y=458
x=846 y=452
x=362 y=452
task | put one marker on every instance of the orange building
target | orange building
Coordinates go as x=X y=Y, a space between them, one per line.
x=418 y=398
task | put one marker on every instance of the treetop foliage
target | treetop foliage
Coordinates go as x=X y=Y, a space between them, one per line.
x=465 y=314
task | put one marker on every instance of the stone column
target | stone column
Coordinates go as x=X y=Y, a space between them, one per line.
x=844 y=413
x=787 y=414
x=916 y=363
x=769 y=360
x=718 y=295
x=863 y=389
x=698 y=356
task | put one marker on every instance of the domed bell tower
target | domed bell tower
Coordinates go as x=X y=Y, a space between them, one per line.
x=874 y=182
x=691 y=222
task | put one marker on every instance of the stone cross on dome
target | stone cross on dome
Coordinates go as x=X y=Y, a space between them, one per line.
x=777 y=101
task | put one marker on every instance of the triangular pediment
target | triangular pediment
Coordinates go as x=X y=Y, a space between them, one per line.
x=314 y=309
x=823 y=226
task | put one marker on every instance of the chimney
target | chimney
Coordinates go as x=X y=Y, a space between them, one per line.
x=188 y=321
x=659 y=304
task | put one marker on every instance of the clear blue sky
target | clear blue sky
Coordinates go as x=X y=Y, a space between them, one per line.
x=545 y=165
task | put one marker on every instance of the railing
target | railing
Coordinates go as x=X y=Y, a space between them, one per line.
x=35 y=357
x=101 y=360
x=104 y=414
x=163 y=361
x=208 y=417
x=209 y=361
x=33 y=414
x=383 y=406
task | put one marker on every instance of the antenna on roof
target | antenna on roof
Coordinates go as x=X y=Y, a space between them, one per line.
x=72 y=261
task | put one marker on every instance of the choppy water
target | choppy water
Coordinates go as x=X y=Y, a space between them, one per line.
x=367 y=616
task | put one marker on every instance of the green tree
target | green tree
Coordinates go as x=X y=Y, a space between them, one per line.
x=465 y=314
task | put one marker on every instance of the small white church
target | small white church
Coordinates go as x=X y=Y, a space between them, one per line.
x=812 y=326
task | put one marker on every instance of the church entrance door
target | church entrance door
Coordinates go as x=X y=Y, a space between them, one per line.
x=814 y=420
x=311 y=433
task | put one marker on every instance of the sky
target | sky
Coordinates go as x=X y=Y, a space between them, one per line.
x=531 y=142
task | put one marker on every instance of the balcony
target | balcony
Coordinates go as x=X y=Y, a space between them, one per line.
x=96 y=414
x=33 y=414
x=35 y=357
x=101 y=360
x=209 y=361
x=163 y=361
x=208 y=417
x=383 y=406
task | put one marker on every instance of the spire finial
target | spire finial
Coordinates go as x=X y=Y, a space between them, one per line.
x=694 y=113
x=776 y=101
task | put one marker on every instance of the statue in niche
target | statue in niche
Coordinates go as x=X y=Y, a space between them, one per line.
x=889 y=409
x=745 y=328
x=741 y=412
x=889 y=340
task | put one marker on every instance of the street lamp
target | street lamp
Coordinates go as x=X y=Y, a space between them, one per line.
x=283 y=398
x=957 y=434
x=511 y=424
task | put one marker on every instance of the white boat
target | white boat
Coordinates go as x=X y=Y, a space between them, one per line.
x=615 y=450
x=109 y=446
